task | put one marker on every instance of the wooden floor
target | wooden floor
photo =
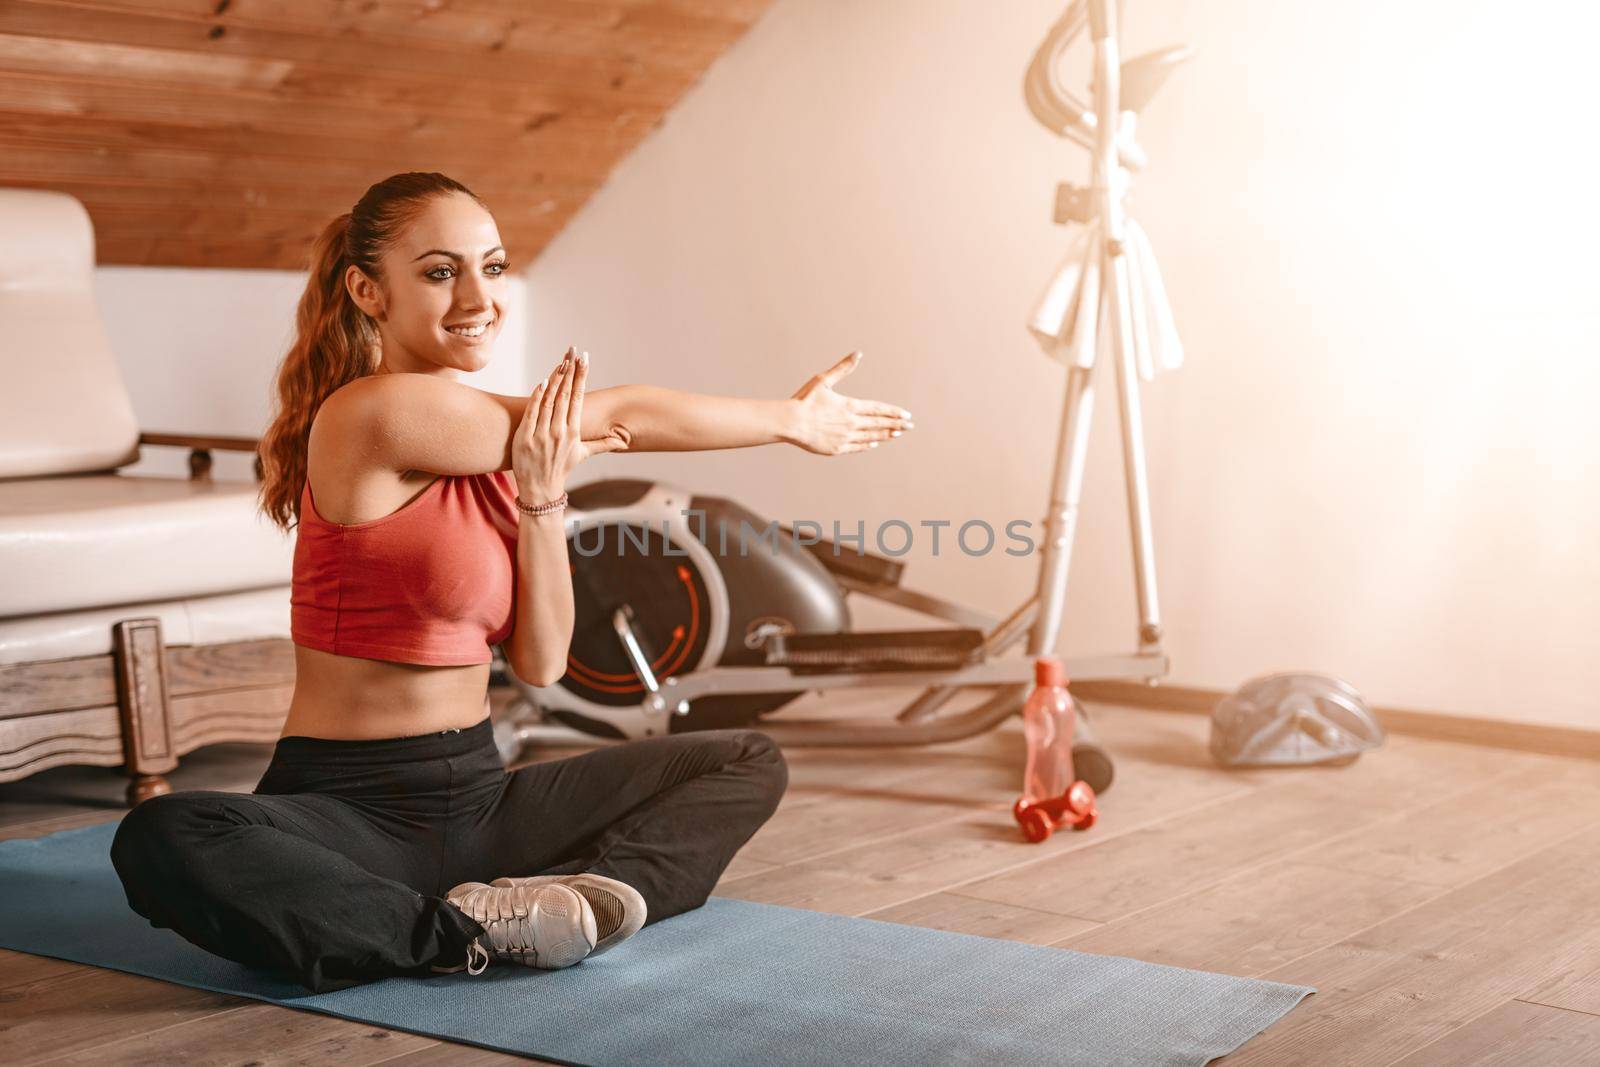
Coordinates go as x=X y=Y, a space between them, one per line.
x=1444 y=899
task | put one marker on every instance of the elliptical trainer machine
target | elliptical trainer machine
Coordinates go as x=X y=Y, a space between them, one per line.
x=670 y=635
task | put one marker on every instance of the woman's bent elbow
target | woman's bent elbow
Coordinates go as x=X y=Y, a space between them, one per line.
x=539 y=675
x=549 y=677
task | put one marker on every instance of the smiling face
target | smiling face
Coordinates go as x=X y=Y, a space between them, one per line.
x=442 y=299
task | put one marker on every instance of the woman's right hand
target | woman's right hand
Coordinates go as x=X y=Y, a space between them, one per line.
x=548 y=442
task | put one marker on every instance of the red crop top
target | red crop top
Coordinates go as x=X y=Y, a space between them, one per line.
x=432 y=583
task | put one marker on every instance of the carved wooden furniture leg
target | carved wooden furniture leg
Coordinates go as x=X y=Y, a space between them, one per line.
x=142 y=700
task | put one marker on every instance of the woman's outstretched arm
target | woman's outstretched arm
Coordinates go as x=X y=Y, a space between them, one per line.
x=652 y=418
x=419 y=422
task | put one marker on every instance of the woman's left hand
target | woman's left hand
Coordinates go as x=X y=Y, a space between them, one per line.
x=831 y=424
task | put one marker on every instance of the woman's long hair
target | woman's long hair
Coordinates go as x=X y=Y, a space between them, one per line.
x=335 y=341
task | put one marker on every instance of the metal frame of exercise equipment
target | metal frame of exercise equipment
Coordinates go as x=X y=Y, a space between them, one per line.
x=1106 y=301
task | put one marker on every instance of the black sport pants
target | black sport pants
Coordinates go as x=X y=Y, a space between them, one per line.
x=335 y=868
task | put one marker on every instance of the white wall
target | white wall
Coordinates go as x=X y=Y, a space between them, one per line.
x=1376 y=226
x=198 y=350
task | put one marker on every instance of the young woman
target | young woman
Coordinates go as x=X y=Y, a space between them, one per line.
x=385 y=836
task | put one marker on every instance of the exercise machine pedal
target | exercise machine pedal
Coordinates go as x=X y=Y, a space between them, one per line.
x=875 y=650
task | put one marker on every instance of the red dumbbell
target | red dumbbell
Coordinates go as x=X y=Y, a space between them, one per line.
x=1039 y=818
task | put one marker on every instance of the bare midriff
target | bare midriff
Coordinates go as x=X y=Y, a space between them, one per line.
x=351 y=699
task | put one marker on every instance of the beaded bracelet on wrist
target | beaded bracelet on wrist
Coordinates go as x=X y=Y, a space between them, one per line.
x=558 y=504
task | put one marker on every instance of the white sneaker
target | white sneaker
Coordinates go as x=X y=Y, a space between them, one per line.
x=543 y=926
x=619 y=910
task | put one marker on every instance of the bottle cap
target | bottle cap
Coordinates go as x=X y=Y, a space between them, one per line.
x=1049 y=671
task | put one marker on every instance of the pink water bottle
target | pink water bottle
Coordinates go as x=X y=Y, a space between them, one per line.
x=1052 y=796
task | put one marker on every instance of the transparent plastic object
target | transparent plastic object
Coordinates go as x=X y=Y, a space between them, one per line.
x=1048 y=720
x=1292 y=719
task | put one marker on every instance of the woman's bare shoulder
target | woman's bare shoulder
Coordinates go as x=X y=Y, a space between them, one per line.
x=349 y=483
x=334 y=430
x=417 y=422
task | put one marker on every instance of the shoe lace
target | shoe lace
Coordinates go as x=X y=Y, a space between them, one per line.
x=477 y=958
x=506 y=917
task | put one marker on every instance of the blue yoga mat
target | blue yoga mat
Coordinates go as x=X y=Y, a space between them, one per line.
x=731 y=982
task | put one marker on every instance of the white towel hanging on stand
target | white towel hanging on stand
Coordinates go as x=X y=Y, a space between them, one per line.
x=1067 y=333
x=1055 y=317
x=1162 y=348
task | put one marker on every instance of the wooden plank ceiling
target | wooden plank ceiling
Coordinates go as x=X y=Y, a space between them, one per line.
x=226 y=133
